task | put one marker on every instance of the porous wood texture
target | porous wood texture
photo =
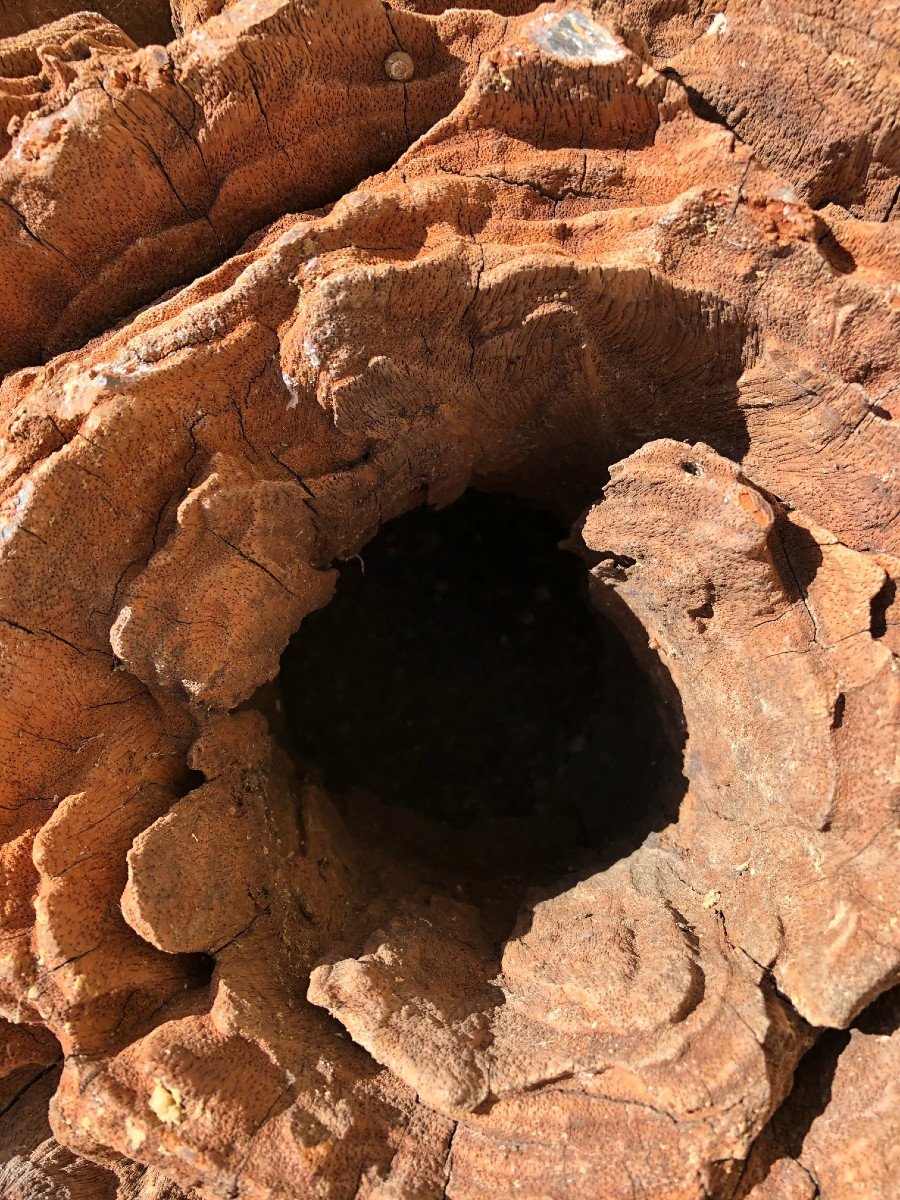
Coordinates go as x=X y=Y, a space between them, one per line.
x=634 y=261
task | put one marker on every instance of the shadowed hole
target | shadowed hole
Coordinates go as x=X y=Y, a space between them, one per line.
x=460 y=675
x=879 y=605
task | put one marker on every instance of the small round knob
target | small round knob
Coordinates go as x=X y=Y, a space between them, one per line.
x=399 y=66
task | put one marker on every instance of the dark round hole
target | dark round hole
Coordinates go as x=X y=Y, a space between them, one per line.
x=459 y=672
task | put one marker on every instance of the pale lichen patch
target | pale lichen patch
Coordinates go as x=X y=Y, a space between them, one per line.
x=293 y=388
x=136 y=1134
x=166 y=1103
x=20 y=503
x=574 y=37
